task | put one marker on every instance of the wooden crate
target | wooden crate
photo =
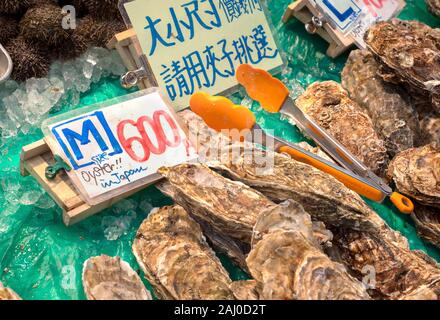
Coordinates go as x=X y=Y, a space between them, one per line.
x=34 y=160
x=304 y=11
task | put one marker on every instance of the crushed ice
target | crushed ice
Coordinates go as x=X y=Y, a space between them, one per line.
x=24 y=106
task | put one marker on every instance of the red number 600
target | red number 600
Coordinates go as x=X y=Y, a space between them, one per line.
x=144 y=140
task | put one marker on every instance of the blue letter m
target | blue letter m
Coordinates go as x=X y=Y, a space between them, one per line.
x=84 y=138
x=89 y=128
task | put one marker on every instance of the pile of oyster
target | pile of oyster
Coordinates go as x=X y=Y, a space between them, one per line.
x=387 y=112
x=298 y=233
x=397 y=84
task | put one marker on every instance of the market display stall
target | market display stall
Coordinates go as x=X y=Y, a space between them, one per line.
x=221 y=220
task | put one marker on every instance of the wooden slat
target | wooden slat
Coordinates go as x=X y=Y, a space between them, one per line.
x=31 y=150
x=123 y=38
x=60 y=188
x=84 y=211
x=304 y=11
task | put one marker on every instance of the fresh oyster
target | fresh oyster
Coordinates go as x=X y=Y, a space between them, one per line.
x=246 y=290
x=288 y=263
x=107 y=278
x=416 y=173
x=8 y=294
x=409 y=52
x=226 y=210
x=434 y=7
x=390 y=109
x=176 y=260
x=329 y=105
x=427 y=220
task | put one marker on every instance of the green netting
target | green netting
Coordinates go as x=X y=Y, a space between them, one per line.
x=42 y=259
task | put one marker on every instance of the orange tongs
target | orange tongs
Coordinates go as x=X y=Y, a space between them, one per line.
x=219 y=113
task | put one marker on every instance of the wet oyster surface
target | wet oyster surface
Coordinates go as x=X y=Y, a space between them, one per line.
x=226 y=210
x=246 y=290
x=434 y=7
x=409 y=52
x=430 y=124
x=110 y=278
x=427 y=221
x=8 y=294
x=389 y=107
x=416 y=173
x=177 y=261
x=330 y=106
x=288 y=264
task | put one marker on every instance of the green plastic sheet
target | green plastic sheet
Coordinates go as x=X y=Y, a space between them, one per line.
x=42 y=259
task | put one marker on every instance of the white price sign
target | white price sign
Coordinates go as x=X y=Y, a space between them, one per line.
x=116 y=147
x=354 y=17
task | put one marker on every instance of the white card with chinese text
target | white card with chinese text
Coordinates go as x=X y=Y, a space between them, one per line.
x=197 y=45
x=119 y=145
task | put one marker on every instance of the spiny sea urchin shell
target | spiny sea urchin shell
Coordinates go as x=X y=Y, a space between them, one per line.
x=28 y=60
x=44 y=24
x=9 y=29
x=103 y=9
x=79 y=5
x=13 y=6
x=97 y=33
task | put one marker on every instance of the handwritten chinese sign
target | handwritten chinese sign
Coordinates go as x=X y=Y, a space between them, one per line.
x=121 y=144
x=194 y=45
x=354 y=17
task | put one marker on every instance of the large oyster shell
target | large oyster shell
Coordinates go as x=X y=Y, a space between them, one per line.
x=176 y=260
x=427 y=220
x=416 y=173
x=329 y=105
x=110 y=278
x=8 y=294
x=288 y=264
x=410 y=52
x=226 y=210
x=390 y=109
x=434 y=6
